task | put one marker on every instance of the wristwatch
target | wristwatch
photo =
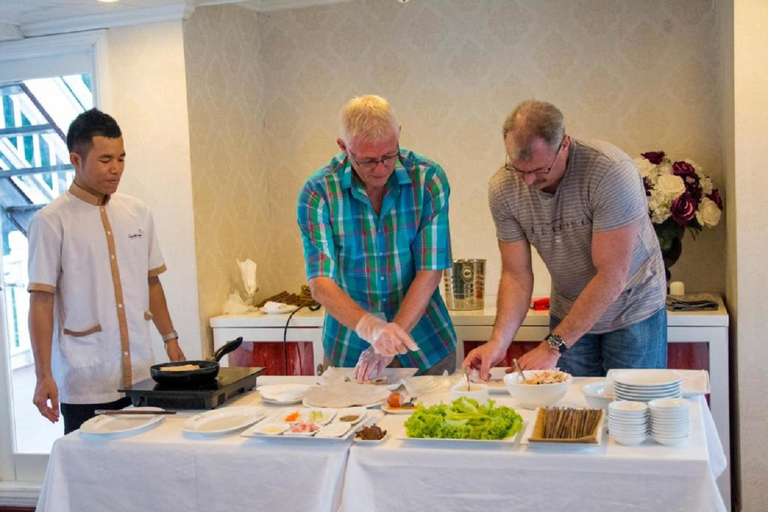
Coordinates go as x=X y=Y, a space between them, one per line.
x=556 y=342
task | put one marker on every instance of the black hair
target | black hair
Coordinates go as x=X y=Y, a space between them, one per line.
x=91 y=123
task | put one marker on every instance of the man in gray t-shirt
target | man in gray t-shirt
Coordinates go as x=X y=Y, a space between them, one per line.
x=582 y=205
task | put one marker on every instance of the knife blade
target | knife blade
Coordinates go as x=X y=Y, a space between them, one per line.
x=130 y=412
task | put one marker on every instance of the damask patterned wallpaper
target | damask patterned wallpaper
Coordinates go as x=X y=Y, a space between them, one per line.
x=230 y=182
x=264 y=92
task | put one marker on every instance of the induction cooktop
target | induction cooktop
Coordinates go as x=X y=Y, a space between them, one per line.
x=229 y=383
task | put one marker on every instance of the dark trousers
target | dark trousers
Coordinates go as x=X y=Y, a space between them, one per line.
x=77 y=414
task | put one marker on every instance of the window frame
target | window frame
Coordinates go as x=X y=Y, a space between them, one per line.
x=21 y=475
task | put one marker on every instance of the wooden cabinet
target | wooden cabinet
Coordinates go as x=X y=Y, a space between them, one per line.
x=284 y=345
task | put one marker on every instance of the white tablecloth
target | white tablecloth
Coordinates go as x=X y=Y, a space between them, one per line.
x=162 y=470
x=403 y=475
x=165 y=470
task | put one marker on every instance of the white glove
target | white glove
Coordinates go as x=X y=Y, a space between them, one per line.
x=370 y=365
x=386 y=338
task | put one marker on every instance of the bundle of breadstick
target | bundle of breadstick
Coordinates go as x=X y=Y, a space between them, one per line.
x=303 y=299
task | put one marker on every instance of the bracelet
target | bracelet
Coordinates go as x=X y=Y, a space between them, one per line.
x=170 y=336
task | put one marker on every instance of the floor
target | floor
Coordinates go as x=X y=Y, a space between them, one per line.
x=34 y=434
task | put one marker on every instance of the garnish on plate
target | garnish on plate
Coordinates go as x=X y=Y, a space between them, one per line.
x=294 y=416
x=397 y=400
x=371 y=433
x=304 y=427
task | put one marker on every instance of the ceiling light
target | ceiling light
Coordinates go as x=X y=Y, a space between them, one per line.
x=108 y=1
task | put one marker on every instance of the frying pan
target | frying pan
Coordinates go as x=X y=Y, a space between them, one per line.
x=205 y=374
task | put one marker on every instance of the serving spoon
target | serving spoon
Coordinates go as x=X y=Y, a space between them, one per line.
x=519 y=369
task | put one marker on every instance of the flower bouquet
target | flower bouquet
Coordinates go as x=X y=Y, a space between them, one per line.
x=680 y=196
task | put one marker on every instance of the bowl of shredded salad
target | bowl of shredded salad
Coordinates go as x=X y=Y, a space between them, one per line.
x=541 y=388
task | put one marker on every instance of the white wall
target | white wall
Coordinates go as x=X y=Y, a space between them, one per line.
x=749 y=244
x=148 y=97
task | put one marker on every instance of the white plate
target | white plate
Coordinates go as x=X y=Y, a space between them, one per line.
x=258 y=431
x=333 y=430
x=283 y=394
x=116 y=424
x=462 y=443
x=397 y=410
x=360 y=412
x=281 y=417
x=301 y=434
x=371 y=442
x=496 y=382
x=269 y=429
x=285 y=308
x=223 y=421
x=320 y=416
x=642 y=378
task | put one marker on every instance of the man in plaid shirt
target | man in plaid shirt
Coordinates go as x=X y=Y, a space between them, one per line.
x=374 y=224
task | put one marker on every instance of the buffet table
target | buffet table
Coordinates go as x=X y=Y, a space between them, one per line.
x=163 y=468
x=698 y=340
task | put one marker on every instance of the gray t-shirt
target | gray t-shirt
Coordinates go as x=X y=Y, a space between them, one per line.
x=601 y=190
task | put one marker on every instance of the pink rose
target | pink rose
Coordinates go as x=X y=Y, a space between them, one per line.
x=655 y=157
x=683 y=209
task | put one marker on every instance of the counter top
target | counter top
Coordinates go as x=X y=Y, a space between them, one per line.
x=486 y=316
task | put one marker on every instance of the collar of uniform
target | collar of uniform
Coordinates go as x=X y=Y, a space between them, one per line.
x=86 y=196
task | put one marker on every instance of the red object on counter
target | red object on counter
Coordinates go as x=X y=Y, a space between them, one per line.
x=541 y=304
x=271 y=355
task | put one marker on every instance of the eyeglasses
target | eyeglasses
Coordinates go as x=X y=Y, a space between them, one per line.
x=369 y=164
x=508 y=166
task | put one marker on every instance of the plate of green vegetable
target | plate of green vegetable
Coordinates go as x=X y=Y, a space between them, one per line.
x=463 y=421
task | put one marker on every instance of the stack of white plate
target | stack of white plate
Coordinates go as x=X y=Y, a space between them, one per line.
x=646 y=385
x=670 y=420
x=628 y=422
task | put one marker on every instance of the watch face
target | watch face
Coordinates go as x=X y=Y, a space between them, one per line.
x=554 y=341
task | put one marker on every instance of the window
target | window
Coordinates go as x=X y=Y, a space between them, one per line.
x=45 y=82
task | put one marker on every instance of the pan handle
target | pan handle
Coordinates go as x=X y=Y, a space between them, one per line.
x=228 y=347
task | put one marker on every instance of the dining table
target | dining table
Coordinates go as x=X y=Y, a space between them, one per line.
x=166 y=467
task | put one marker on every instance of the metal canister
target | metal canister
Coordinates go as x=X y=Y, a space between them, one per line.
x=464 y=284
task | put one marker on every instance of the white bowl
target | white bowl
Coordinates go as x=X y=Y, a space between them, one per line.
x=598 y=394
x=476 y=390
x=629 y=441
x=531 y=396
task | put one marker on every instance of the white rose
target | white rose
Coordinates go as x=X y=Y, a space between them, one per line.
x=658 y=204
x=706 y=185
x=708 y=213
x=647 y=169
x=665 y=167
x=670 y=185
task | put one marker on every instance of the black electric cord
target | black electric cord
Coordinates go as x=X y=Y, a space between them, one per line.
x=312 y=307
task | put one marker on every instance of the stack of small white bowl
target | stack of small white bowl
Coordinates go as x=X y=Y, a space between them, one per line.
x=646 y=385
x=670 y=420
x=628 y=422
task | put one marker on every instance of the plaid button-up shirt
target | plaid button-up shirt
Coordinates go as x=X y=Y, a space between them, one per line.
x=374 y=258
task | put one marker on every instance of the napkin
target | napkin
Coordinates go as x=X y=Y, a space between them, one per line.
x=248 y=275
x=692 y=302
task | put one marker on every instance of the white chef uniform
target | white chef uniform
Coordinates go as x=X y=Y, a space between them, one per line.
x=96 y=259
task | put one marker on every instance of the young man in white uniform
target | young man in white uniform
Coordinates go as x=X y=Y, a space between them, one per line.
x=94 y=263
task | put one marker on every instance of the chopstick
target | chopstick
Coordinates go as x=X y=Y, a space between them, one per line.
x=128 y=412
